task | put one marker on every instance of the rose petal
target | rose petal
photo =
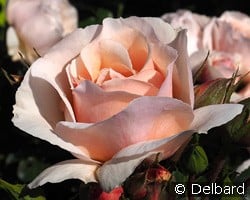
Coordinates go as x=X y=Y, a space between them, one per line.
x=182 y=75
x=107 y=74
x=166 y=33
x=70 y=169
x=92 y=104
x=145 y=118
x=51 y=67
x=214 y=115
x=239 y=21
x=220 y=36
x=38 y=108
x=149 y=76
x=193 y=22
x=114 y=172
x=132 y=39
x=131 y=86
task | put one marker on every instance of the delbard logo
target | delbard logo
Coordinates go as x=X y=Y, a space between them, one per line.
x=208 y=189
x=215 y=189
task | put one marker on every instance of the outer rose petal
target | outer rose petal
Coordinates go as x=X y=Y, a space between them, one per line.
x=122 y=165
x=214 y=115
x=50 y=69
x=145 y=118
x=37 y=117
x=70 y=169
x=45 y=82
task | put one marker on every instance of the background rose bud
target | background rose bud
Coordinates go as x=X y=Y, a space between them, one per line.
x=113 y=95
x=38 y=25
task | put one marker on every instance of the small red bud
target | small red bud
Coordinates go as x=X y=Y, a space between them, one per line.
x=115 y=194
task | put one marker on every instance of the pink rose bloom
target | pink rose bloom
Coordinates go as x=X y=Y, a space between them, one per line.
x=38 y=24
x=113 y=95
x=193 y=22
x=230 y=33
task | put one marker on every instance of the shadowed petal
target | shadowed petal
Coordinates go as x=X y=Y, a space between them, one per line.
x=37 y=117
x=214 y=115
x=70 y=169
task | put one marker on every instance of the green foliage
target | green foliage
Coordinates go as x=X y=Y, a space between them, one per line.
x=217 y=91
x=19 y=191
x=2 y=13
x=239 y=127
x=97 y=18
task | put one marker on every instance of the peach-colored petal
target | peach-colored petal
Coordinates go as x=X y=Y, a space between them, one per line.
x=149 y=76
x=125 y=161
x=91 y=60
x=182 y=75
x=138 y=51
x=145 y=118
x=164 y=64
x=106 y=54
x=132 y=39
x=92 y=104
x=108 y=74
x=115 y=56
x=131 y=86
x=70 y=169
x=163 y=56
x=77 y=72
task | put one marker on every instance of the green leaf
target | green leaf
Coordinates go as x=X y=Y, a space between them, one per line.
x=239 y=127
x=20 y=192
x=217 y=91
x=2 y=13
x=179 y=177
x=195 y=160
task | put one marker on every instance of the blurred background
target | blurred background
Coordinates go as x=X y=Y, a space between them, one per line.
x=22 y=157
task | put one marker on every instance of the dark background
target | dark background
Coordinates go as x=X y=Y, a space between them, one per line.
x=158 y=7
x=21 y=155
